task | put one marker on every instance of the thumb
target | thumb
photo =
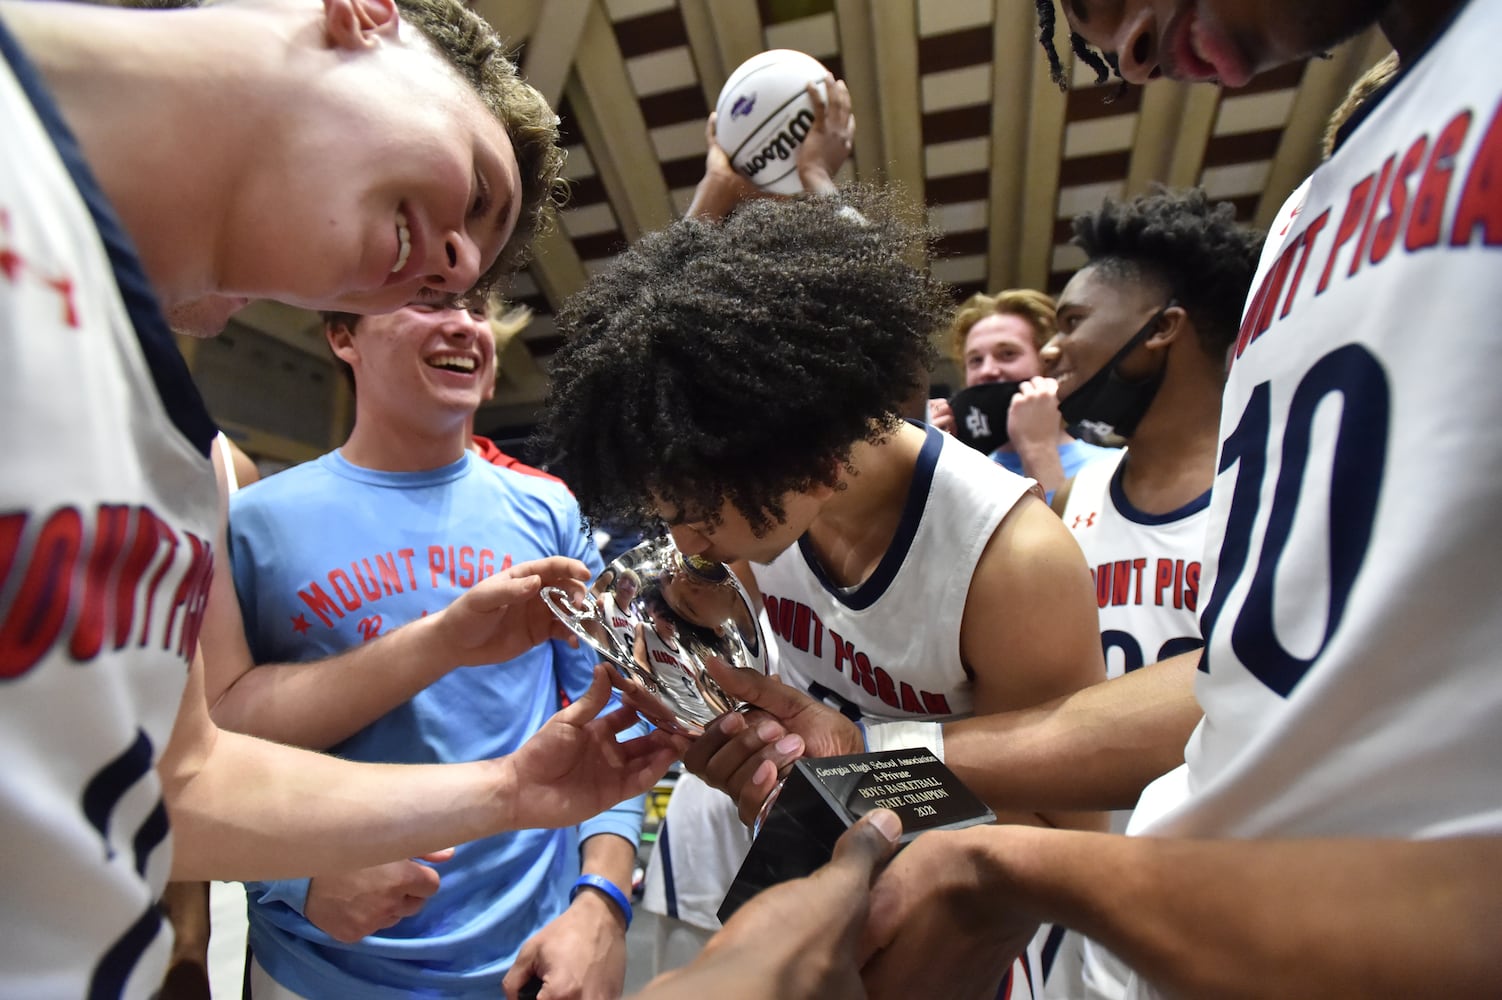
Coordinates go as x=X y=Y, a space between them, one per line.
x=867 y=845
x=437 y=857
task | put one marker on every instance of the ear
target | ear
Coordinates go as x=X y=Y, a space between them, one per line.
x=342 y=342
x=1173 y=325
x=360 y=24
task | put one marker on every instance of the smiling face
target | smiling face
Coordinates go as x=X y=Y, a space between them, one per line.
x=393 y=183
x=1097 y=316
x=1000 y=348
x=1224 y=40
x=420 y=365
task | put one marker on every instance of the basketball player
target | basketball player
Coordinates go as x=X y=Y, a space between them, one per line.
x=137 y=171
x=907 y=577
x=1337 y=825
x=1144 y=328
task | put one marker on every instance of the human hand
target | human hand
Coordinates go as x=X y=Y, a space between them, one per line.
x=830 y=139
x=579 y=955
x=722 y=187
x=573 y=768
x=1033 y=416
x=351 y=905
x=742 y=753
x=799 y=940
x=941 y=904
x=940 y=415
x=502 y=616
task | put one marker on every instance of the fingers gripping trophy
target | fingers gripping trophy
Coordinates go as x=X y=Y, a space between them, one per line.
x=658 y=617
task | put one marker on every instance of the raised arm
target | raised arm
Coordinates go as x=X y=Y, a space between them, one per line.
x=319 y=703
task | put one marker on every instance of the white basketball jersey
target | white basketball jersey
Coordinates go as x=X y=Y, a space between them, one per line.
x=1146 y=567
x=1350 y=599
x=107 y=509
x=1147 y=574
x=885 y=650
x=889 y=649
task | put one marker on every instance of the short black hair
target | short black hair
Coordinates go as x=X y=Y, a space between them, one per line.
x=742 y=360
x=1193 y=247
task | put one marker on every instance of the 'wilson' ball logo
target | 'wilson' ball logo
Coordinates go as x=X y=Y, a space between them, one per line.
x=742 y=106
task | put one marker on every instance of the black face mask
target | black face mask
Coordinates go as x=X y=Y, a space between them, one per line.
x=980 y=414
x=1108 y=402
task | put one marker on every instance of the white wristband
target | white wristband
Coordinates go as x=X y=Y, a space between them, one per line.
x=906 y=736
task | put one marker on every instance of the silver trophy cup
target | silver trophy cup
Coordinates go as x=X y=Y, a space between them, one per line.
x=656 y=616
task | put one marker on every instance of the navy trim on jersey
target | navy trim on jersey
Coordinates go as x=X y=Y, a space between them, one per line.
x=168 y=370
x=1125 y=508
x=665 y=854
x=1404 y=68
x=868 y=593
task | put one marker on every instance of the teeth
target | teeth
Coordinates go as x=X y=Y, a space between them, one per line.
x=404 y=238
x=454 y=363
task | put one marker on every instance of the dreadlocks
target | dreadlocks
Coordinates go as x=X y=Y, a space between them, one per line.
x=1103 y=65
x=740 y=361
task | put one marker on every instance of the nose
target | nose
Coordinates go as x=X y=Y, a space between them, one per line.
x=1050 y=352
x=689 y=541
x=1135 y=46
x=990 y=371
x=460 y=268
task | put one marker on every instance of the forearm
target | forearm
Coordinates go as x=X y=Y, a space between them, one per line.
x=238 y=804
x=714 y=198
x=1315 y=918
x=1094 y=749
x=1041 y=462
x=323 y=702
x=611 y=857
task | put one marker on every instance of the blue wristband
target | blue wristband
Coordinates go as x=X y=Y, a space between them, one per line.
x=609 y=888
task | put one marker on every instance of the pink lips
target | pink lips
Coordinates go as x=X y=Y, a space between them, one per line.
x=1198 y=50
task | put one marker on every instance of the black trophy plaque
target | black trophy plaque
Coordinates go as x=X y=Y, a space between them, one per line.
x=823 y=796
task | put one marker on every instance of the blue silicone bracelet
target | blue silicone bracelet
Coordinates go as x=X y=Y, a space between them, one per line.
x=609 y=888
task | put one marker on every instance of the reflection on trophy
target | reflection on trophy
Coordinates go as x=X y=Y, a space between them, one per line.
x=657 y=616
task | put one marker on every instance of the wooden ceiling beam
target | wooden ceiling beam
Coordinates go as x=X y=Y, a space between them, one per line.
x=1014 y=52
x=722 y=34
x=899 y=104
x=615 y=131
x=853 y=23
x=513 y=20
x=1044 y=145
x=553 y=47
x=1324 y=86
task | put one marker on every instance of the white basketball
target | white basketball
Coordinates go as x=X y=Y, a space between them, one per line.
x=763 y=114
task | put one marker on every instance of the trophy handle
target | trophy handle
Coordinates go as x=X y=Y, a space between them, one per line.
x=558 y=601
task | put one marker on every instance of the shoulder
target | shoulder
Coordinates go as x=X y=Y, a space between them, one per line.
x=290 y=489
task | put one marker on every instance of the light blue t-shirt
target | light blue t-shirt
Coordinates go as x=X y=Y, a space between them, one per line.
x=327 y=555
x=1072 y=456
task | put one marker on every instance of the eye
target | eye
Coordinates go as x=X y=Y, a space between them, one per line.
x=482 y=197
